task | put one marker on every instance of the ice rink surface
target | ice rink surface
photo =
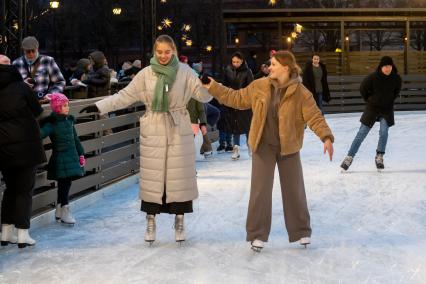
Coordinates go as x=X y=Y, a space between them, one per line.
x=368 y=227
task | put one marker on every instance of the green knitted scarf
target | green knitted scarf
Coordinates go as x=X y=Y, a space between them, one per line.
x=166 y=77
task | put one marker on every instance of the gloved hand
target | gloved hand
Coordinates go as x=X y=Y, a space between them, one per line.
x=82 y=161
x=90 y=108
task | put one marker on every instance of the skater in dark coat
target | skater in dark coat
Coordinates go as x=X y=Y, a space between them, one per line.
x=67 y=160
x=21 y=151
x=315 y=80
x=379 y=90
x=237 y=122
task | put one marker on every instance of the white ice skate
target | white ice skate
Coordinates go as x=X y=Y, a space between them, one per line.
x=58 y=212
x=150 y=229
x=66 y=216
x=235 y=153
x=179 y=229
x=8 y=235
x=24 y=238
x=257 y=245
x=305 y=241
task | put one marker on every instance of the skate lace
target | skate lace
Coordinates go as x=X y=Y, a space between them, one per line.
x=379 y=159
x=178 y=226
x=151 y=226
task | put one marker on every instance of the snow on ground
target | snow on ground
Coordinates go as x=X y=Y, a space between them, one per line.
x=368 y=227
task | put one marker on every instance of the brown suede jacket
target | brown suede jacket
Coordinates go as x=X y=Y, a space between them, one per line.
x=297 y=108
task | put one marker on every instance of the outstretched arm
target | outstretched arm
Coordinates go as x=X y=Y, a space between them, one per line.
x=241 y=99
x=129 y=95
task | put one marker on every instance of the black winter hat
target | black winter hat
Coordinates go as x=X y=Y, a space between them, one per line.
x=386 y=60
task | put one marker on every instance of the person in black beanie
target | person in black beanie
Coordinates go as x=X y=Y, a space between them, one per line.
x=379 y=90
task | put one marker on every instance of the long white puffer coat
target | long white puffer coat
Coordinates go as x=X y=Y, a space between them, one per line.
x=167 y=157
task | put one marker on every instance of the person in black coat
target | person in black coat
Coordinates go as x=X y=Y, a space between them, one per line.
x=379 y=90
x=233 y=121
x=315 y=79
x=21 y=151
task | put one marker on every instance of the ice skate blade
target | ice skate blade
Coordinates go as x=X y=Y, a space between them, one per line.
x=150 y=242
x=67 y=224
x=24 y=245
x=256 y=249
x=5 y=243
x=235 y=159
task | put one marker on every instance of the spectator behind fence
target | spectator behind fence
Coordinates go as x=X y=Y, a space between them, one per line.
x=83 y=68
x=98 y=79
x=40 y=72
x=263 y=72
x=21 y=151
x=121 y=76
x=67 y=160
x=315 y=79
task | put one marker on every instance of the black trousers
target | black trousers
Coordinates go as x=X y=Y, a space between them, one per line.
x=178 y=208
x=17 y=201
x=64 y=185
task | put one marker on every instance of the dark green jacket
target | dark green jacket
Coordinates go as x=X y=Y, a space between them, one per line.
x=66 y=147
x=196 y=112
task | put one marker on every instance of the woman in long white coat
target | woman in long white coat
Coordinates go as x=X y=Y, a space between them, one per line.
x=167 y=158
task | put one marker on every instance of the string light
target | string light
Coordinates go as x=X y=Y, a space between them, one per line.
x=272 y=2
x=186 y=27
x=188 y=42
x=209 y=48
x=54 y=4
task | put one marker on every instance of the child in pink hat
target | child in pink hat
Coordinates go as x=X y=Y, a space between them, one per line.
x=67 y=160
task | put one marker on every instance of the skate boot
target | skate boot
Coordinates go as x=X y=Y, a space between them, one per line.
x=208 y=154
x=257 y=245
x=150 y=229
x=249 y=150
x=305 y=241
x=229 y=149
x=346 y=163
x=58 y=212
x=66 y=216
x=24 y=238
x=8 y=235
x=179 y=229
x=235 y=153
x=379 y=162
x=221 y=149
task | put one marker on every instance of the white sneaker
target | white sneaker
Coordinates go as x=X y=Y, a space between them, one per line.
x=236 y=153
x=66 y=216
x=150 y=228
x=8 y=235
x=257 y=245
x=24 y=238
x=58 y=212
x=179 y=229
x=305 y=241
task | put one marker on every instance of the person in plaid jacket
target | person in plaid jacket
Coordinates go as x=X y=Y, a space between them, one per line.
x=40 y=72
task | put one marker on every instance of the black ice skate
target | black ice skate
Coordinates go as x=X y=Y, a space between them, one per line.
x=379 y=162
x=346 y=163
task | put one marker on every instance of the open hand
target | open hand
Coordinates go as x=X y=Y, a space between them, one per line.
x=328 y=147
x=203 y=130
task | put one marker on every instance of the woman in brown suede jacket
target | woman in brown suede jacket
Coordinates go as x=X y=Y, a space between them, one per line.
x=281 y=107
